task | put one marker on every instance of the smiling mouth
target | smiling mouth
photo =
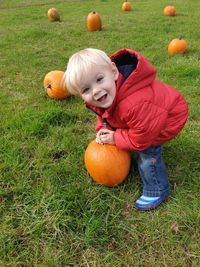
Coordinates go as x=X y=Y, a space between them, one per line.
x=102 y=98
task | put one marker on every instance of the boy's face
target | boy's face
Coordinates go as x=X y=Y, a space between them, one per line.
x=98 y=86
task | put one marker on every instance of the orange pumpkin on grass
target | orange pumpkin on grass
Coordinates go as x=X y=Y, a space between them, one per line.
x=94 y=21
x=106 y=164
x=126 y=6
x=169 y=11
x=53 y=14
x=54 y=85
x=177 y=46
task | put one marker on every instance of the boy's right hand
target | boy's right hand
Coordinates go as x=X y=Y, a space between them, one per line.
x=105 y=136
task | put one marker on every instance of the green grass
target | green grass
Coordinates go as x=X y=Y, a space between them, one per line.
x=51 y=213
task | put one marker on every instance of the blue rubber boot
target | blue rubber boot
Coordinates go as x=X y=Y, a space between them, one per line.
x=145 y=203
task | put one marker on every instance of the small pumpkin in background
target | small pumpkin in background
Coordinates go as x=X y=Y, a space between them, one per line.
x=169 y=11
x=126 y=6
x=53 y=15
x=94 y=21
x=106 y=164
x=177 y=46
x=54 y=85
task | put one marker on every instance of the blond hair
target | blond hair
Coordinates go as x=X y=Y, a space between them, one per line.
x=80 y=64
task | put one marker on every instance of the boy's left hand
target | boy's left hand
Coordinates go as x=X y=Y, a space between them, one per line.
x=105 y=136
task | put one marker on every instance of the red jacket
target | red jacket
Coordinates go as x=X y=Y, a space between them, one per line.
x=145 y=111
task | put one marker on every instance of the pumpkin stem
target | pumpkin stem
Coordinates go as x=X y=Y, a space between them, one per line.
x=180 y=37
x=48 y=86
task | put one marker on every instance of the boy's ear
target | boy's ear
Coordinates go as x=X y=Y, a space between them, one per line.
x=115 y=71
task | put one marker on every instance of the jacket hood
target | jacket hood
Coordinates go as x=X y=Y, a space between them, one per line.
x=135 y=72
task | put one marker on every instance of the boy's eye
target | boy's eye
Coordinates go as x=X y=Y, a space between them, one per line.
x=85 y=90
x=99 y=79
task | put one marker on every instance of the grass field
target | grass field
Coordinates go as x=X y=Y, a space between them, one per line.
x=51 y=213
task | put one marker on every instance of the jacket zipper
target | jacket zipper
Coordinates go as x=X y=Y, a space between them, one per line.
x=105 y=122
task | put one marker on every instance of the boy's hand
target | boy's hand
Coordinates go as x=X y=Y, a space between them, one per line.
x=105 y=136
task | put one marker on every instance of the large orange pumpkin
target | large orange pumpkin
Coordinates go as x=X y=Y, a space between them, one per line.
x=177 y=46
x=53 y=14
x=126 y=6
x=94 y=21
x=169 y=11
x=54 y=85
x=106 y=164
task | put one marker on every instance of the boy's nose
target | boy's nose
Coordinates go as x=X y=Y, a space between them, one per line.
x=96 y=91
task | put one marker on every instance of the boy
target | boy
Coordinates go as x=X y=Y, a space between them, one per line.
x=135 y=111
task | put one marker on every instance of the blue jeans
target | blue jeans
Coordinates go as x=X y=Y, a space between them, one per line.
x=153 y=172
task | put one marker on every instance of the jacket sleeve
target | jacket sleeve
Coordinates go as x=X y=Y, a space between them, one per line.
x=99 y=124
x=144 y=123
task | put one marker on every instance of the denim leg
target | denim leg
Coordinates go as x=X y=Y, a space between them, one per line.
x=153 y=172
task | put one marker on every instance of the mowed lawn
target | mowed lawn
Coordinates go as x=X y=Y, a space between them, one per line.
x=51 y=212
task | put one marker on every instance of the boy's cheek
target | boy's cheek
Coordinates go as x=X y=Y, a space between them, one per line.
x=82 y=96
